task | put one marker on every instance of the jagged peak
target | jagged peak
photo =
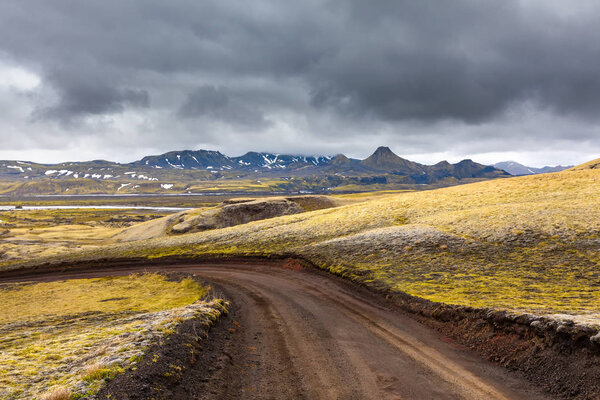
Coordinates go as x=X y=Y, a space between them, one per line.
x=385 y=159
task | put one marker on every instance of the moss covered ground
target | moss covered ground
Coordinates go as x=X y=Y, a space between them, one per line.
x=38 y=233
x=69 y=336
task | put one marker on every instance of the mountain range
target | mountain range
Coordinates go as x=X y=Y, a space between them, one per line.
x=514 y=168
x=208 y=170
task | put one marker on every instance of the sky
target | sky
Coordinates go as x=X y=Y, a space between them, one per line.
x=482 y=79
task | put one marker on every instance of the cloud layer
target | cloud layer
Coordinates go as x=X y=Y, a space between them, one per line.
x=482 y=79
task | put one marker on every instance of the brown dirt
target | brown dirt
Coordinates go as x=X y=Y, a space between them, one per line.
x=304 y=334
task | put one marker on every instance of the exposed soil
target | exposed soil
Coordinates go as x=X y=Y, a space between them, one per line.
x=185 y=365
x=302 y=334
x=562 y=358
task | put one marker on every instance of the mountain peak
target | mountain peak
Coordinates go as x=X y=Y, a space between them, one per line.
x=384 y=150
x=340 y=159
x=385 y=159
x=384 y=154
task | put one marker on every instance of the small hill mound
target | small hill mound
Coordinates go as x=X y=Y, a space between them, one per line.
x=237 y=214
x=230 y=213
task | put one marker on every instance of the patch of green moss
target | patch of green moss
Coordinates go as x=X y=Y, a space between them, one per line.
x=46 y=327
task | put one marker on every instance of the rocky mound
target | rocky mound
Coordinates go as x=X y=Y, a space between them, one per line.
x=229 y=213
x=237 y=214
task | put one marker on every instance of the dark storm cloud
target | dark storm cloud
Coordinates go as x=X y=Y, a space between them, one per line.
x=218 y=103
x=82 y=95
x=467 y=60
x=331 y=65
x=205 y=100
x=397 y=59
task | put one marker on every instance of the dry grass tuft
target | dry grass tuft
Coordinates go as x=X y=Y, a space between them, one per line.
x=58 y=393
x=95 y=372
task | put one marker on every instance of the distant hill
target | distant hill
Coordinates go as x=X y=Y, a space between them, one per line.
x=514 y=168
x=191 y=171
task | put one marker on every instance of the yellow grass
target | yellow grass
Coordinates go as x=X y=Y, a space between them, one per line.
x=58 y=393
x=71 y=335
x=145 y=293
x=588 y=165
x=39 y=233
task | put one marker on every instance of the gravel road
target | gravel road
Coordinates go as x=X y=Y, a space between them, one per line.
x=308 y=335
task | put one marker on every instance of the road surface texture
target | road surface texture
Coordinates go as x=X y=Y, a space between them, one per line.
x=308 y=335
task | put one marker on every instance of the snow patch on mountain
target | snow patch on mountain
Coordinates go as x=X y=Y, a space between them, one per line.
x=15 y=167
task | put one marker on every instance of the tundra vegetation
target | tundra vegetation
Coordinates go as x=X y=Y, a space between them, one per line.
x=34 y=233
x=526 y=244
x=63 y=339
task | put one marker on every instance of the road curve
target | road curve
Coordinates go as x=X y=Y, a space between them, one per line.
x=304 y=335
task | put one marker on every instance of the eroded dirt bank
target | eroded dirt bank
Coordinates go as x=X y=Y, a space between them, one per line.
x=301 y=334
x=560 y=357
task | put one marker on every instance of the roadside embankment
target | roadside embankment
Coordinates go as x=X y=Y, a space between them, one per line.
x=560 y=356
x=172 y=365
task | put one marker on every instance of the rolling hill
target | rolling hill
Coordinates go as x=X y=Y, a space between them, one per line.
x=508 y=262
x=594 y=164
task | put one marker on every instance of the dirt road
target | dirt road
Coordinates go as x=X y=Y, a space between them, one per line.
x=304 y=335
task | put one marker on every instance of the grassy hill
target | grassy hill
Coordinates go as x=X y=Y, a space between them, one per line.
x=527 y=243
x=594 y=164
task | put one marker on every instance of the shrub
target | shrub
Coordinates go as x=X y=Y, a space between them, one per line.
x=96 y=372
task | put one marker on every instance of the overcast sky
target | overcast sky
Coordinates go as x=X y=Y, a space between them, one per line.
x=120 y=79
